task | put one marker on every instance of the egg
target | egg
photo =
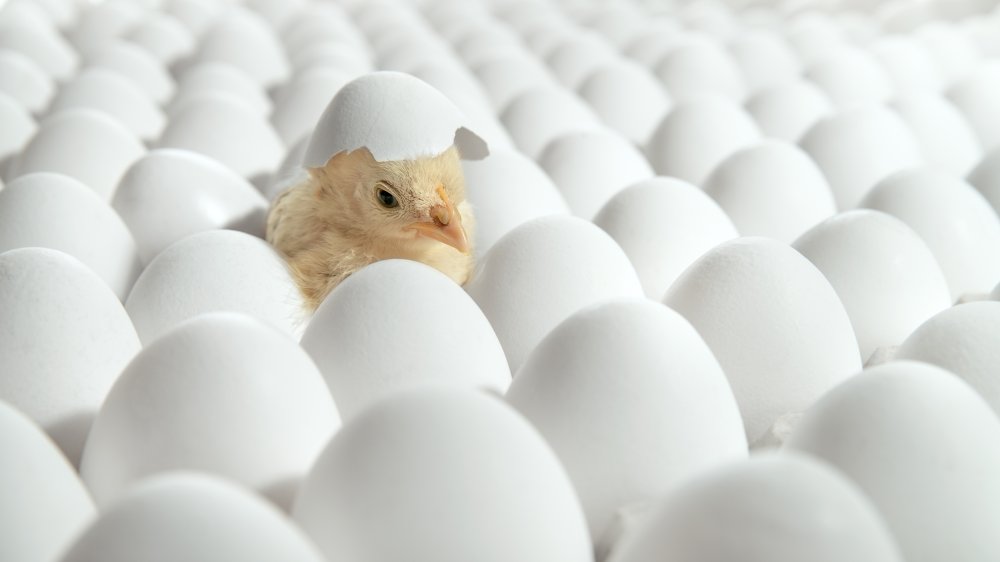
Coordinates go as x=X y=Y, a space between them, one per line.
x=699 y=65
x=975 y=96
x=44 y=503
x=591 y=167
x=164 y=36
x=137 y=64
x=396 y=324
x=538 y=116
x=170 y=193
x=108 y=91
x=194 y=14
x=953 y=52
x=858 y=148
x=244 y=39
x=342 y=56
x=543 y=271
x=735 y=289
x=573 y=59
x=507 y=189
x=786 y=111
x=946 y=138
x=663 y=225
x=850 y=77
x=813 y=34
x=217 y=270
x=25 y=81
x=631 y=400
x=627 y=97
x=100 y=23
x=193 y=517
x=219 y=77
x=54 y=211
x=957 y=223
x=649 y=46
x=390 y=472
x=698 y=134
x=985 y=177
x=772 y=508
x=65 y=338
x=907 y=64
x=885 y=274
x=765 y=58
x=479 y=42
x=299 y=104
x=19 y=127
x=771 y=189
x=505 y=78
x=85 y=144
x=920 y=443
x=45 y=47
x=317 y=22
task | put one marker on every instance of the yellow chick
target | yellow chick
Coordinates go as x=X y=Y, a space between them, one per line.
x=355 y=210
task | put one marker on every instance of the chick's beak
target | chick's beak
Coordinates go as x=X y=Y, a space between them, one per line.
x=445 y=224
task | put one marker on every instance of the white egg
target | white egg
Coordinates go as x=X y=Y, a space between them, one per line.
x=85 y=144
x=170 y=194
x=196 y=15
x=341 y=56
x=538 y=116
x=699 y=65
x=507 y=189
x=290 y=172
x=786 y=111
x=922 y=445
x=54 y=211
x=192 y=517
x=946 y=138
x=813 y=34
x=773 y=508
x=65 y=338
x=774 y=323
x=572 y=60
x=543 y=271
x=771 y=189
x=391 y=474
x=219 y=77
x=397 y=324
x=227 y=129
x=698 y=134
x=649 y=46
x=663 y=225
x=104 y=22
x=214 y=271
x=627 y=97
x=765 y=58
x=631 y=400
x=953 y=52
x=885 y=274
x=136 y=63
x=616 y=22
x=45 y=47
x=319 y=22
x=850 y=77
x=244 y=39
x=907 y=64
x=22 y=79
x=975 y=96
x=108 y=91
x=44 y=503
x=507 y=77
x=164 y=36
x=18 y=127
x=957 y=223
x=985 y=177
x=858 y=148
x=591 y=167
x=300 y=102
x=479 y=42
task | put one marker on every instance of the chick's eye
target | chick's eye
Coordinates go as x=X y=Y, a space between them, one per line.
x=386 y=199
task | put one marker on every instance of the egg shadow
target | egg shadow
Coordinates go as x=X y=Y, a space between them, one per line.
x=282 y=492
x=70 y=435
x=253 y=223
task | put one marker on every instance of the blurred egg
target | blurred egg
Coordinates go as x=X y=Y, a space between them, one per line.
x=223 y=127
x=537 y=116
x=486 y=41
x=955 y=221
x=391 y=472
x=774 y=323
x=290 y=172
x=334 y=55
x=975 y=96
x=906 y=64
x=663 y=225
x=883 y=272
x=110 y=92
x=137 y=64
x=922 y=445
x=300 y=102
x=214 y=271
x=788 y=110
x=698 y=134
x=24 y=81
x=699 y=65
x=952 y=52
x=170 y=194
x=985 y=177
x=858 y=148
x=616 y=22
x=46 y=48
x=543 y=271
x=505 y=78
x=221 y=393
x=850 y=77
x=396 y=324
x=946 y=138
x=192 y=517
x=813 y=34
x=591 y=167
x=164 y=36
x=765 y=58
x=244 y=39
x=317 y=22
x=507 y=189
x=65 y=338
x=772 y=508
x=649 y=46
x=44 y=503
x=571 y=61
x=85 y=144
x=49 y=210
x=102 y=22
x=631 y=400
x=219 y=77
x=18 y=126
x=627 y=97
x=772 y=189
x=196 y=15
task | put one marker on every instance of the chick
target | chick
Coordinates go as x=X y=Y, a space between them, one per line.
x=355 y=210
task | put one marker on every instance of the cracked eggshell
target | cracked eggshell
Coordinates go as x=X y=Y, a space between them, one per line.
x=391 y=472
x=663 y=225
x=64 y=338
x=543 y=271
x=214 y=271
x=433 y=331
x=300 y=102
x=773 y=508
x=774 y=323
x=923 y=446
x=45 y=506
x=627 y=97
x=395 y=116
x=883 y=272
x=108 y=91
x=946 y=138
x=537 y=116
x=222 y=393
x=170 y=194
x=192 y=517
x=49 y=210
x=631 y=400
x=25 y=81
x=788 y=110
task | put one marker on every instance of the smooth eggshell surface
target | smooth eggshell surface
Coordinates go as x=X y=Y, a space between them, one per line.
x=946 y=138
x=632 y=401
x=774 y=323
x=975 y=96
x=47 y=48
x=139 y=65
x=22 y=79
x=64 y=338
x=300 y=103
x=19 y=127
x=922 y=445
x=108 y=91
x=537 y=116
x=164 y=36
x=391 y=472
x=217 y=270
x=397 y=324
x=244 y=39
x=543 y=271
x=786 y=111
x=850 y=77
x=219 y=77
x=627 y=97
x=700 y=66
x=985 y=177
